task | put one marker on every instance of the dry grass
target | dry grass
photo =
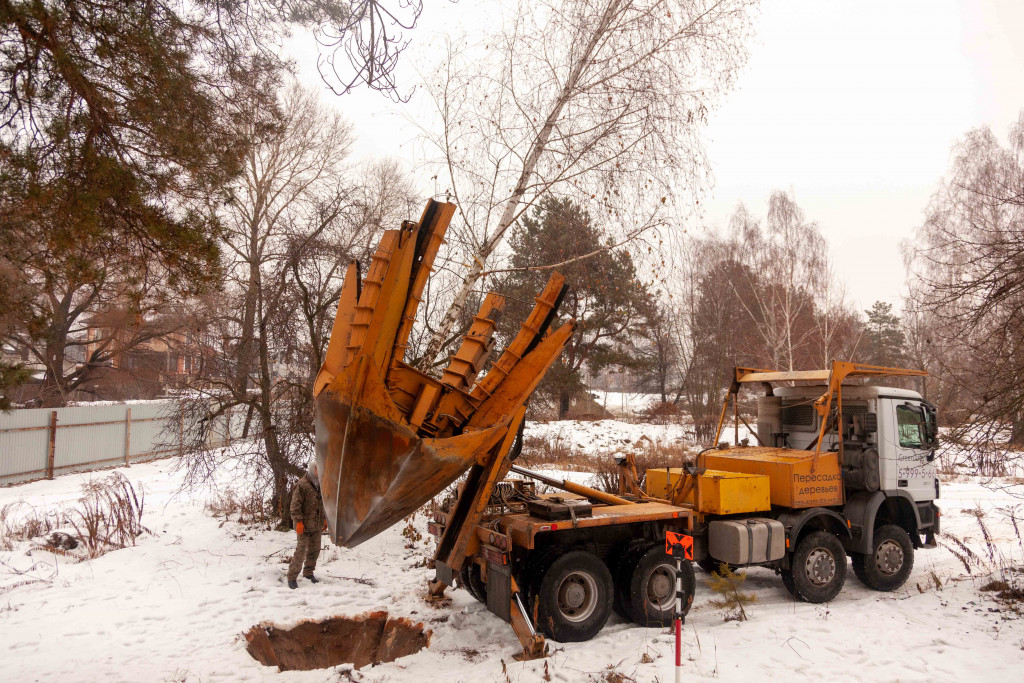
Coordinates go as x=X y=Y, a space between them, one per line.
x=649 y=455
x=611 y=674
x=663 y=413
x=556 y=451
x=108 y=516
x=22 y=522
x=1005 y=573
x=249 y=509
x=552 y=450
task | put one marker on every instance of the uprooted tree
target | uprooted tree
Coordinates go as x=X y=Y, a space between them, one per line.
x=602 y=101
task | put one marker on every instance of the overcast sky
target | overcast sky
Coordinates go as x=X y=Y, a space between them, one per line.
x=852 y=107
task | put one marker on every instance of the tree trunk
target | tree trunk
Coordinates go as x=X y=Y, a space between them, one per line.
x=246 y=342
x=537 y=149
x=285 y=503
x=248 y=422
x=564 y=399
x=52 y=393
x=1017 y=430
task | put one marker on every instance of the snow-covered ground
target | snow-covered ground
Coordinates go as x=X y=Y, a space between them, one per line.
x=624 y=404
x=173 y=608
x=590 y=437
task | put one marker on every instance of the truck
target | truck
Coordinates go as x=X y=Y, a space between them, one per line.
x=839 y=468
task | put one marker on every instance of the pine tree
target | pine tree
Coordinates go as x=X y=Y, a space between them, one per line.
x=727 y=583
x=605 y=296
x=886 y=343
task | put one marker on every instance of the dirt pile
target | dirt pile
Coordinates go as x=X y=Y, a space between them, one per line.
x=369 y=638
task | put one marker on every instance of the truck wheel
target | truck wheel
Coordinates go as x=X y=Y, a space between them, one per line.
x=819 y=567
x=889 y=564
x=787 y=581
x=652 y=588
x=575 y=597
x=474 y=583
x=622 y=575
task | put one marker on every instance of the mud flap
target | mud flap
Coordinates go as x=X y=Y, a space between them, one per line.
x=444 y=573
x=499 y=590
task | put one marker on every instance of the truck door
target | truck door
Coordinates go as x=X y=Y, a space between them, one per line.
x=911 y=448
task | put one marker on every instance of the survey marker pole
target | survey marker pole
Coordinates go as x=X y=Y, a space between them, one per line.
x=679 y=619
x=679 y=546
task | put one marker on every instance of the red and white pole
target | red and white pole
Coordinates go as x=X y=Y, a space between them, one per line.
x=679 y=619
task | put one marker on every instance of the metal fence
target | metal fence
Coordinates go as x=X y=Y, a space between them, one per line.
x=40 y=443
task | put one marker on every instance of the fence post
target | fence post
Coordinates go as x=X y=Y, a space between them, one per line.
x=127 y=436
x=227 y=427
x=53 y=443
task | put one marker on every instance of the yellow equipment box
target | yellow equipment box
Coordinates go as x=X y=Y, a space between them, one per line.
x=721 y=493
x=798 y=479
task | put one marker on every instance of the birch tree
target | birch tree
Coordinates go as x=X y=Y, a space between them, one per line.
x=967 y=262
x=599 y=100
x=789 y=262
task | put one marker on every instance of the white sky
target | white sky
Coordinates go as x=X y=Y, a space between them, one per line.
x=852 y=107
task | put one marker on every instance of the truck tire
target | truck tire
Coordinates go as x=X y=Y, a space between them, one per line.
x=787 y=581
x=652 y=588
x=473 y=582
x=575 y=597
x=888 y=565
x=622 y=575
x=819 y=567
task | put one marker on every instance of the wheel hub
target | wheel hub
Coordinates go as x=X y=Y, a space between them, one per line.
x=661 y=587
x=577 y=596
x=889 y=557
x=820 y=567
x=574 y=596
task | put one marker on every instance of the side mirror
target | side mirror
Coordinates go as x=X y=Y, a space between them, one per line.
x=931 y=425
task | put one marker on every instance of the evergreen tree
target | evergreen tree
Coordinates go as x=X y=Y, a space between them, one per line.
x=886 y=343
x=605 y=296
x=122 y=124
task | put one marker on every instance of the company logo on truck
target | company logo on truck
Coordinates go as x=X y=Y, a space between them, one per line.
x=820 y=484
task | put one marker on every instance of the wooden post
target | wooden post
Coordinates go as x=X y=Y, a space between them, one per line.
x=736 y=419
x=127 y=436
x=52 y=446
x=227 y=426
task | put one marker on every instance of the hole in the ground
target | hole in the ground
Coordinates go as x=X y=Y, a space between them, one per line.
x=369 y=638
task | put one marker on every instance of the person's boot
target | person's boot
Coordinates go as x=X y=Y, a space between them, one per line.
x=313 y=579
x=292 y=583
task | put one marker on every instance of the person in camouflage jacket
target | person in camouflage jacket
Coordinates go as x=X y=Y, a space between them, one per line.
x=310 y=522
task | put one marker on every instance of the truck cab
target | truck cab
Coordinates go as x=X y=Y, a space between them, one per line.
x=889 y=443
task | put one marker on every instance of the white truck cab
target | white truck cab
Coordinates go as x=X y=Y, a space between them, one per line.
x=897 y=423
x=890 y=478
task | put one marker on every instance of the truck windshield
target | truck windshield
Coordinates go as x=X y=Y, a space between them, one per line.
x=910 y=422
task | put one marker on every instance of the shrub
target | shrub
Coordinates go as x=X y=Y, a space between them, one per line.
x=109 y=515
x=249 y=509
